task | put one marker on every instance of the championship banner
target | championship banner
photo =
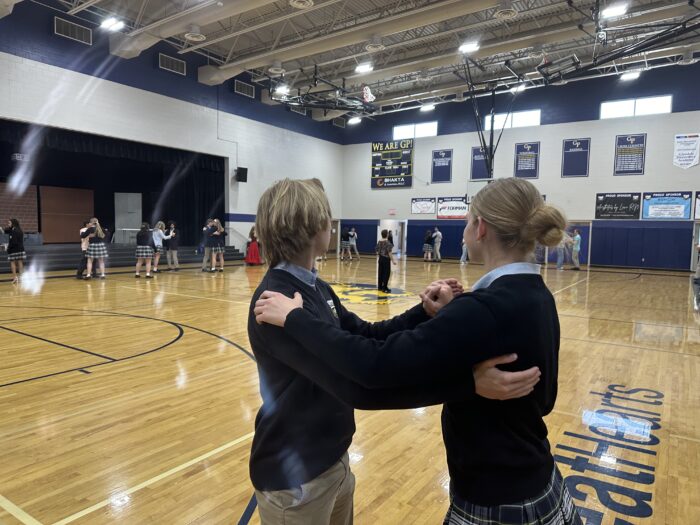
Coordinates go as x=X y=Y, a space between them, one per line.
x=452 y=208
x=667 y=205
x=442 y=166
x=479 y=171
x=392 y=164
x=630 y=151
x=575 y=157
x=527 y=160
x=423 y=205
x=617 y=205
x=686 y=150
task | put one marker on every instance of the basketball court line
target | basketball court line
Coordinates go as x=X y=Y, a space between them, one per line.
x=193 y=296
x=571 y=285
x=14 y=510
x=153 y=480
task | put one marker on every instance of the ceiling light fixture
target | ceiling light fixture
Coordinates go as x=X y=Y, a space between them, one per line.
x=630 y=75
x=518 y=89
x=469 y=47
x=112 y=24
x=427 y=107
x=282 y=89
x=354 y=120
x=614 y=11
x=365 y=67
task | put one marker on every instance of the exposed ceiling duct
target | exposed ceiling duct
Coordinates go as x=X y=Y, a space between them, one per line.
x=133 y=44
x=430 y=14
x=554 y=35
x=6 y=6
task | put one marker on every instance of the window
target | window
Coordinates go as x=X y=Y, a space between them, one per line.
x=426 y=129
x=415 y=131
x=517 y=119
x=636 y=107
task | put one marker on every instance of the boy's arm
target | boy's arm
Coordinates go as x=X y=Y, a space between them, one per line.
x=461 y=335
x=286 y=350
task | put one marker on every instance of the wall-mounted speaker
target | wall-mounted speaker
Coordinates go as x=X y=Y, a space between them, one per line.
x=241 y=174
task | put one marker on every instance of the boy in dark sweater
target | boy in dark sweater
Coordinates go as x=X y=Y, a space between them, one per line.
x=299 y=461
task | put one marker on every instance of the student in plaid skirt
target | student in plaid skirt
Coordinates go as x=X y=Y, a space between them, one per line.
x=428 y=246
x=96 y=248
x=158 y=237
x=218 y=246
x=144 y=250
x=15 y=249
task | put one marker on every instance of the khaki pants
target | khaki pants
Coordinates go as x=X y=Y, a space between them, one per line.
x=206 y=261
x=325 y=500
x=436 y=250
x=172 y=258
x=574 y=258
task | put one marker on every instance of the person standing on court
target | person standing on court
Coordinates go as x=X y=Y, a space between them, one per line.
x=252 y=254
x=144 y=250
x=576 y=250
x=463 y=259
x=437 y=242
x=353 y=243
x=158 y=237
x=218 y=247
x=15 y=249
x=96 y=249
x=172 y=246
x=560 y=254
x=84 y=243
x=499 y=458
x=207 y=231
x=345 y=244
x=428 y=246
x=384 y=261
x=299 y=460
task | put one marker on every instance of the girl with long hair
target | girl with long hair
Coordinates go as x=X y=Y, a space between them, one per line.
x=96 y=248
x=15 y=249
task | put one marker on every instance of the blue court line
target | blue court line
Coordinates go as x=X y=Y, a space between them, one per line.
x=248 y=512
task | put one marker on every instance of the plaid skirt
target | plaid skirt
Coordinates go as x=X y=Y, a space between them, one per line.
x=344 y=245
x=17 y=256
x=97 y=250
x=428 y=248
x=553 y=506
x=218 y=249
x=144 y=252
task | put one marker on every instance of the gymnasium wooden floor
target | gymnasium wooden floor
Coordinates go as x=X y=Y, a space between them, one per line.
x=127 y=401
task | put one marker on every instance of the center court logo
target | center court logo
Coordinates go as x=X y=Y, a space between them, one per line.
x=367 y=294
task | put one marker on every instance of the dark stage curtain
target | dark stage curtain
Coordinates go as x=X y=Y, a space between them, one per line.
x=76 y=142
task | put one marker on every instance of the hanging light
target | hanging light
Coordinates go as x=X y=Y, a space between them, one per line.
x=614 y=11
x=469 y=47
x=630 y=75
x=112 y=24
x=365 y=67
x=427 y=107
x=354 y=120
x=282 y=89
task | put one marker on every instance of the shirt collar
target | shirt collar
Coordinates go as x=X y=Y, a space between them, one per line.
x=304 y=275
x=507 y=269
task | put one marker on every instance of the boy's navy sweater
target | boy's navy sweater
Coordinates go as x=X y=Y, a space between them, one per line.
x=497 y=451
x=305 y=426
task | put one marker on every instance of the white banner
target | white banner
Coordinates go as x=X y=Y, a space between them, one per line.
x=452 y=208
x=686 y=150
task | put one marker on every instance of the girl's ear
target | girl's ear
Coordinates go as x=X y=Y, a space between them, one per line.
x=481 y=229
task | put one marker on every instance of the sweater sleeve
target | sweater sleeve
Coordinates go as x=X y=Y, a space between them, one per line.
x=289 y=352
x=444 y=348
x=351 y=323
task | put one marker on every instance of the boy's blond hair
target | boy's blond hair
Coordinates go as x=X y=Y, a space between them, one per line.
x=290 y=214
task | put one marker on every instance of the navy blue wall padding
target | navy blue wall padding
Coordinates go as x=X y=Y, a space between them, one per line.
x=366 y=233
x=585 y=231
x=642 y=244
x=452 y=232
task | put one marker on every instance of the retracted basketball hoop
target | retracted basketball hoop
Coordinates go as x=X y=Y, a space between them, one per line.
x=367 y=95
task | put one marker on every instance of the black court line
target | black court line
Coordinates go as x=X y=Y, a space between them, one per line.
x=249 y=510
x=69 y=347
x=179 y=327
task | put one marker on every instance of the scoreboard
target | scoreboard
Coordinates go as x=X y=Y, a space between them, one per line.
x=392 y=164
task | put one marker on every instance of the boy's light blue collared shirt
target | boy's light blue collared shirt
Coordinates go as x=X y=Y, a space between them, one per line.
x=306 y=276
x=506 y=269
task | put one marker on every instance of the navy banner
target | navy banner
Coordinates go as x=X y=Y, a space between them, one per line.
x=479 y=171
x=442 y=165
x=527 y=160
x=575 y=157
x=617 y=205
x=630 y=151
x=392 y=164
